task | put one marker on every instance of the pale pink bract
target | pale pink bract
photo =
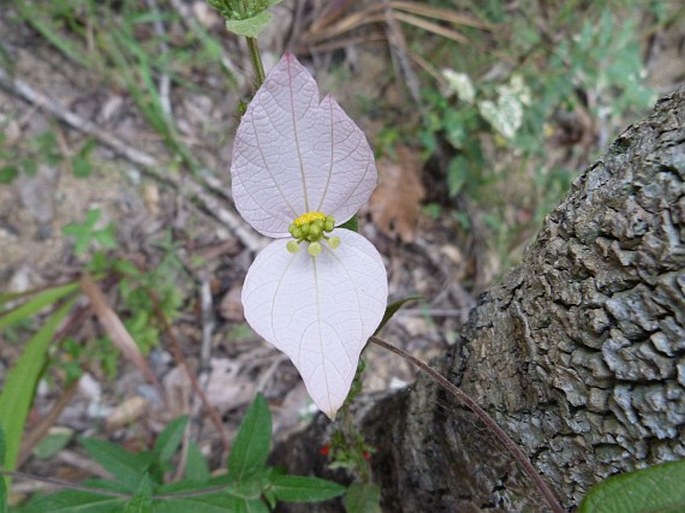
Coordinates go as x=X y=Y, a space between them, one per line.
x=295 y=154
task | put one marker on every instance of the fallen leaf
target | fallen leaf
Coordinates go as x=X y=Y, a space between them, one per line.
x=227 y=387
x=127 y=412
x=231 y=307
x=396 y=203
x=116 y=330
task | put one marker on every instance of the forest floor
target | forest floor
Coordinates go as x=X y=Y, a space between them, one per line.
x=91 y=148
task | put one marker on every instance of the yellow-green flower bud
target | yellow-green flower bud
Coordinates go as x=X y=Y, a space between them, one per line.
x=315 y=231
x=292 y=247
x=334 y=242
x=329 y=224
x=314 y=249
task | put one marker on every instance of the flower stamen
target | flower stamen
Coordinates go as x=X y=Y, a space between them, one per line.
x=312 y=227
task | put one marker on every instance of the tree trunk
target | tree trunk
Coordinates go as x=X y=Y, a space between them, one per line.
x=579 y=353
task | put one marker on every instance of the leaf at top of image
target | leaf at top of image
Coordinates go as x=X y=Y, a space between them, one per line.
x=657 y=489
x=395 y=205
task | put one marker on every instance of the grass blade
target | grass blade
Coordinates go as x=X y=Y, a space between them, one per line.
x=35 y=305
x=21 y=381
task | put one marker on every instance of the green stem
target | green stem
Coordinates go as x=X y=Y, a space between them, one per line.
x=547 y=493
x=256 y=60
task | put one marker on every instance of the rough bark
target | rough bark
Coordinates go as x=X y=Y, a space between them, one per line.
x=579 y=353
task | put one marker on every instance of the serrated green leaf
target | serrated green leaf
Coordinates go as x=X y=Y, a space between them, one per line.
x=250 y=27
x=35 y=304
x=197 y=469
x=391 y=310
x=657 y=489
x=21 y=381
x=305 y=489
x=126 y=467
x=71 y=501
x=169 y=439
x=253 y=442
x=363 y=498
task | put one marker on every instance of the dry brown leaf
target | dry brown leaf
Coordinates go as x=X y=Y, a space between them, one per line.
x=396 y=203
x=127 y=412
x=116 y=330
x=231 y=307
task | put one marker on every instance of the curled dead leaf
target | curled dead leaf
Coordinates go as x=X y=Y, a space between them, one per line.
x=127 y=412
x=396 y=203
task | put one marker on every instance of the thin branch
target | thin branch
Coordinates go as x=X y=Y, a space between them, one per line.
x=547 y=493
x=164 y=79
x=34 y=436
x=177 y=353
x=148 y=164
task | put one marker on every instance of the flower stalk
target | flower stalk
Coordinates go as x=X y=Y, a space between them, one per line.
x=256 y=61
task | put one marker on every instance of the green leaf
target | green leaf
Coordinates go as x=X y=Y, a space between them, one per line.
x=127 y=467
x=211 y=503
x=251 y=486
x=391 y=310
x=3 y=447
x=71 y=501
x=3 y=495
x=655 y=489
x=250 y=27
x=20 y=384
x=168 y=441
x=53 y=443
x=8 y=174
x=457 y=175
x=35 y=305
x=107 y=236
x=305 y=489
x=142 y=501
x=197 y=469
x=253 y=442
x=81 y=165
x=351 y=224
x=251 y=506
x=3 y=485
x=363 y=498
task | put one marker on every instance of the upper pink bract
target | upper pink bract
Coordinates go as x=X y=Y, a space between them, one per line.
x=294 y=153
